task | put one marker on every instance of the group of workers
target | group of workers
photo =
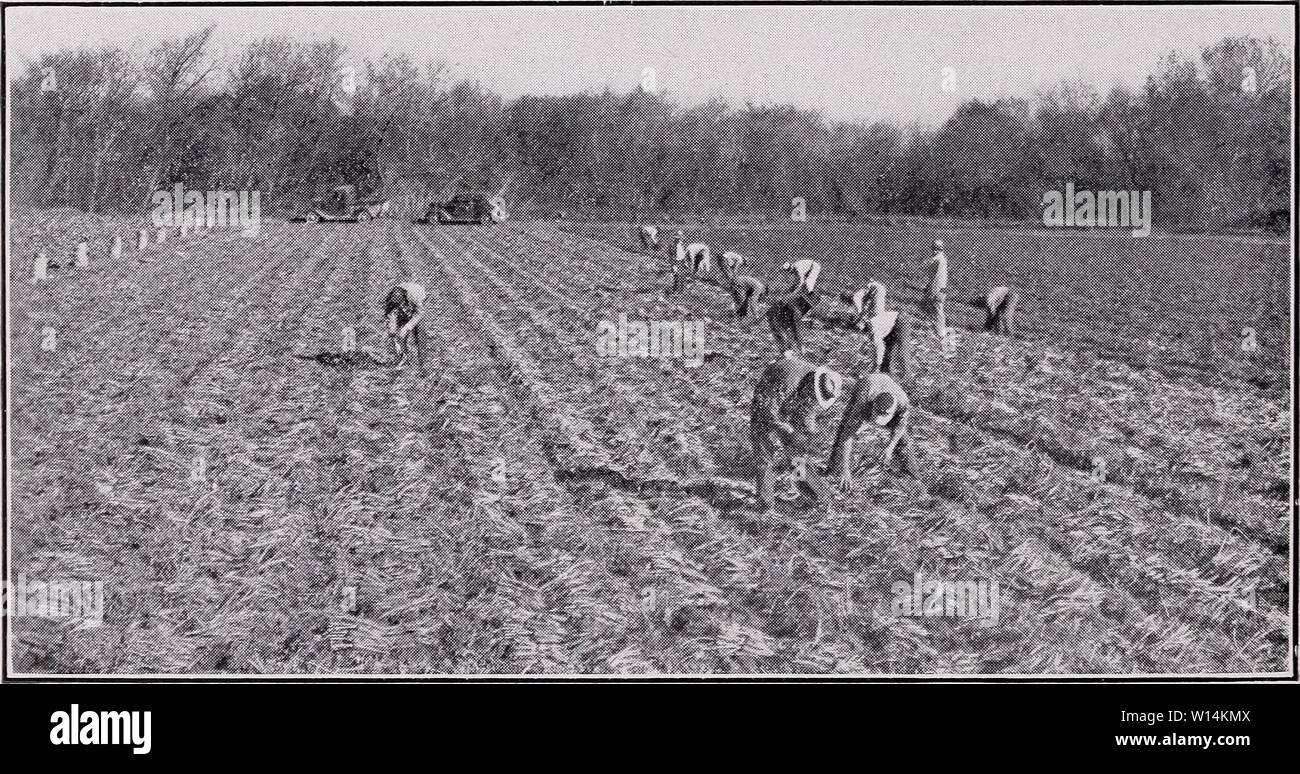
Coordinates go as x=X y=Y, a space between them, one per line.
x=793 y=393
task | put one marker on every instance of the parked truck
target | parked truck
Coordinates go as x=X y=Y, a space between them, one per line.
x=342 y=205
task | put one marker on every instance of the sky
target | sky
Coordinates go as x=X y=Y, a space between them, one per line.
x=852 y=63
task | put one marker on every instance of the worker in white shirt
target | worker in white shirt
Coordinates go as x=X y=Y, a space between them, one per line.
x=649 y=237
x=745 y=290
x=891 y=338
x=999 y=306
x=878 y=398
x=937 y=290
x=786 y=313
x=867 y=301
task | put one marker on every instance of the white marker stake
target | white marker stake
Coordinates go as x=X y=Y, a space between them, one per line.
x=949 y=342
x=349 y=339
x=49 y=339
x=116 y=252
x=144 y=239
x=83 y=256
x=185 y=229
x=162 y=235
x=40 y=267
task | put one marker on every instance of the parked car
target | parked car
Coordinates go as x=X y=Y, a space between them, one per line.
x=342 y=205
x=463 y=208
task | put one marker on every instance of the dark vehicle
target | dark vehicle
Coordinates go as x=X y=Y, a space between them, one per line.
x=463 y=208
x=342 y=205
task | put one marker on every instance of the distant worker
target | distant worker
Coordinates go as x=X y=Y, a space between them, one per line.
x=745 y=290
x=649 y=237
x=999 y=307
x=878 y=398
x=403 y=310
x=790 y=395
x=730 y=262
x=786 y=313
x=694 y=257
x=938 y=290
x=891 y=341
x=867 y=302
x=691 y=261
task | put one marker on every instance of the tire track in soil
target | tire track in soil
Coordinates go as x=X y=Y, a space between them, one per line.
x=267 y=526
x=1058 y=544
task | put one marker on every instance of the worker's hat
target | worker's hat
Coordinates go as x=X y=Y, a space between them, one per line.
x=827 y=384
x=938 y=244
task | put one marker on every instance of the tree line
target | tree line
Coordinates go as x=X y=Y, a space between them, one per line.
x=100 y=130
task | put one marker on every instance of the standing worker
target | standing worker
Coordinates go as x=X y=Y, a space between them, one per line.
x=938 y=291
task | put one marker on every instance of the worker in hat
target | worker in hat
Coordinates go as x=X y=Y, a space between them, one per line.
x=867 y=301
x=877 y=398
x=791 y=394
x=889 y=331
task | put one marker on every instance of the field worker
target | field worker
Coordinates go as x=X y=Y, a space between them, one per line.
x=805 y=272
x=694 y=257
x=890 y=334
x=649 y=237
x=403 y=310
x=785 y=315
x=745 y=290
x=999 y=307
x=876 y=397
x=938 y=289
x=867 y=302
x=730 y=263
x=790 y=395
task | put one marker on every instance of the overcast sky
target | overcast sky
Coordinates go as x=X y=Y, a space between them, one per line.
x=853 y=63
